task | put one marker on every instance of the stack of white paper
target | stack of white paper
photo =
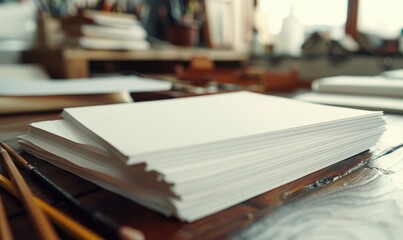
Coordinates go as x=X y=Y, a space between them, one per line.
x=192 y=157
x=373 y=86
x=80 y=86
x=27 y=95
x=113 y=32
x=372 y=93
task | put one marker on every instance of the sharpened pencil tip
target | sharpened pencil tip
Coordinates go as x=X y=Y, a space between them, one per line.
x=128 y=233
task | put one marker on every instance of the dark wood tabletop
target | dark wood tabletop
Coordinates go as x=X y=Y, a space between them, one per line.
x=360 y=196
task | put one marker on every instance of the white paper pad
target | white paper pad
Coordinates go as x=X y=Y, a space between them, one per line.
x=196 y=156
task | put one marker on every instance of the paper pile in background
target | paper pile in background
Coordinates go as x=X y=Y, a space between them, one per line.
x=192 y=157
x=113 y=31
x=372 y=93
x=33 y=95
x=22 y=71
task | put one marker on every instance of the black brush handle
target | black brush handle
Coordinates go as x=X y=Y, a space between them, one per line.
x=96 y=217
x=108 y=225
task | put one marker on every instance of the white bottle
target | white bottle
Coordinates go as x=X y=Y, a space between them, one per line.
x=291 y=37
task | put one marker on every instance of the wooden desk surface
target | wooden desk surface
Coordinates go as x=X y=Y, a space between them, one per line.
x=358 y=197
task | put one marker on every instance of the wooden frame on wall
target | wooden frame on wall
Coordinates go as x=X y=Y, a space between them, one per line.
x=352 y=18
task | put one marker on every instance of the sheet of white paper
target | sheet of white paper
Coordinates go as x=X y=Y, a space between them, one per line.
x=17 y=72
x=106 y=177
x=393 y=74
x=377 y=85
x=392 y=105
x=149 y=127
x=81 y=86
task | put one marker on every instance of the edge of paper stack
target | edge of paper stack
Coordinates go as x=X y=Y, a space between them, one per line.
x=193 y=157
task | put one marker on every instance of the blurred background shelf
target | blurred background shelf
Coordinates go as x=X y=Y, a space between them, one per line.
x=81 y=63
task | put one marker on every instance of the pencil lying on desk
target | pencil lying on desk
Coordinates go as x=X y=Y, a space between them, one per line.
x=71 y=227
x=39 y=219
x=5 y=231
x=98 y=218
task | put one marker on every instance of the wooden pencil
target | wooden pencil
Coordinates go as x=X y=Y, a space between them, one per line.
x=96 y=217
x=66 y=223
x=5 y=231
x=39 y=219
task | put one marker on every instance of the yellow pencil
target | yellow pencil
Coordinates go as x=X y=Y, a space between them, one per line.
x=70 y=226
x=102 y=221
x=5 y=231
x=39 y=219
